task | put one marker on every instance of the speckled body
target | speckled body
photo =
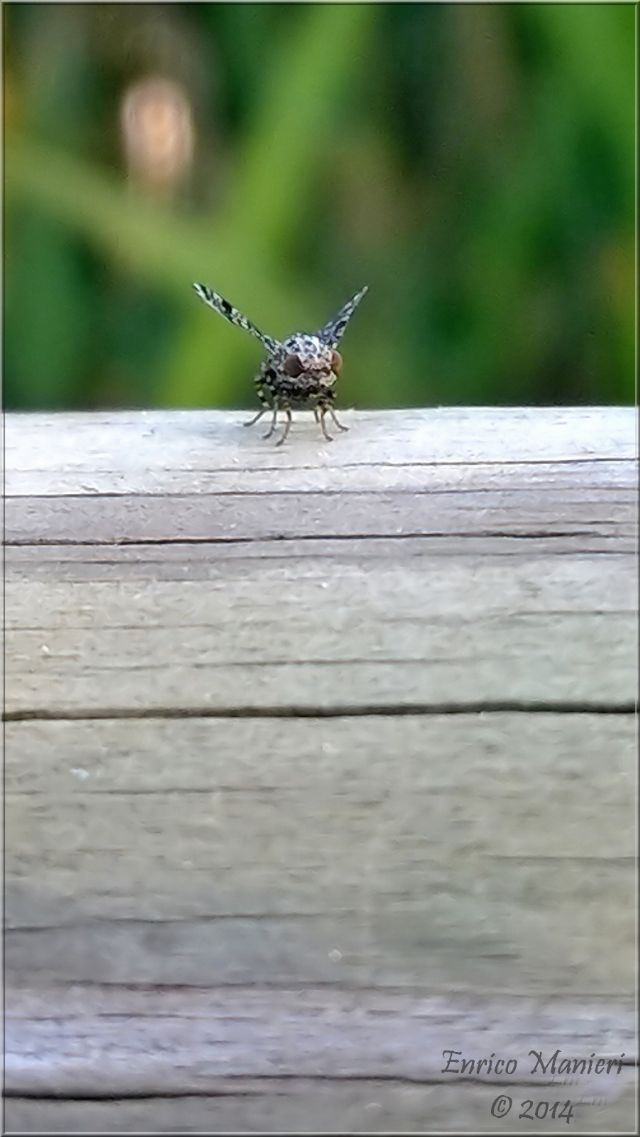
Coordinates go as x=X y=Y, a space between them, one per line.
x=300 y=371
x=310 y=387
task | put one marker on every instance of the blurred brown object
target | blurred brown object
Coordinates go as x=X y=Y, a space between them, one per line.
x=158 y=134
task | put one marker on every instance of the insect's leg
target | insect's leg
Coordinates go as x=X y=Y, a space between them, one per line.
x=338 y=424
x=316 y=415
x=252 y=421
x=262 y=395
x=271 y=429
x=287 y=427
x=323 y=408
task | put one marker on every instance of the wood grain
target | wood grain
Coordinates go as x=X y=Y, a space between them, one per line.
x=318 y=761
x=326 y=639
x=209 y=451
x=274 y=1105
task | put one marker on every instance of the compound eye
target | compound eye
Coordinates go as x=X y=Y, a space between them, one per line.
x=293 y=366
x=336 y=361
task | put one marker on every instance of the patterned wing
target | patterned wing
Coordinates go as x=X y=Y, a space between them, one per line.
x=333 y=332
x=224 y=308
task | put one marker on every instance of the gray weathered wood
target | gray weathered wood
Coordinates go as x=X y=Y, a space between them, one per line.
x=209 y=451
x=398 y=838
x=327 y=638
x=320 y=760
x=346 y=1106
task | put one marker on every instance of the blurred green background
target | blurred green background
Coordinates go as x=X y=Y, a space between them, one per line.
x=474 y=164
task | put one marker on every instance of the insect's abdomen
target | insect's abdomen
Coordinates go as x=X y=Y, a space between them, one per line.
x=303 y=391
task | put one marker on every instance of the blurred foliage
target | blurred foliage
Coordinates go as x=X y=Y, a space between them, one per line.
x=474 y=164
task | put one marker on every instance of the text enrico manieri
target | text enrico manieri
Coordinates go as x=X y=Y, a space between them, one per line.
x=554 y=1063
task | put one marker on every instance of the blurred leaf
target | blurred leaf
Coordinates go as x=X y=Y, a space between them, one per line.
x=498 y=243
x=594 y=47
x=47 y=329
x=289 y=143
x=164 y=249
x=140 y=234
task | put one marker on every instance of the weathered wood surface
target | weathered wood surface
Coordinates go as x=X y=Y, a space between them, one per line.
x=319 y=761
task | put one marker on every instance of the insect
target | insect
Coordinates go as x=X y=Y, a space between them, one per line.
x=300 y=371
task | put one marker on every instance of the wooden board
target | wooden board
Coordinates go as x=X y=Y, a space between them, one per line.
x=200 y=451
x=319 y=761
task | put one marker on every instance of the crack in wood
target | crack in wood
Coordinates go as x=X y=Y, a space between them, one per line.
x=624 y=707
x=534 y=535
x=451 y=1080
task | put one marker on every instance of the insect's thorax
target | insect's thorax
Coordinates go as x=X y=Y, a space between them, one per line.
x=315 y=381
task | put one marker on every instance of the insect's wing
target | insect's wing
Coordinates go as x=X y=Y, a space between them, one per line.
x=224 y=308
x=333 y=332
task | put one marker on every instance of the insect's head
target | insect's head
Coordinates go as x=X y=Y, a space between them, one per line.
x=309 y=355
